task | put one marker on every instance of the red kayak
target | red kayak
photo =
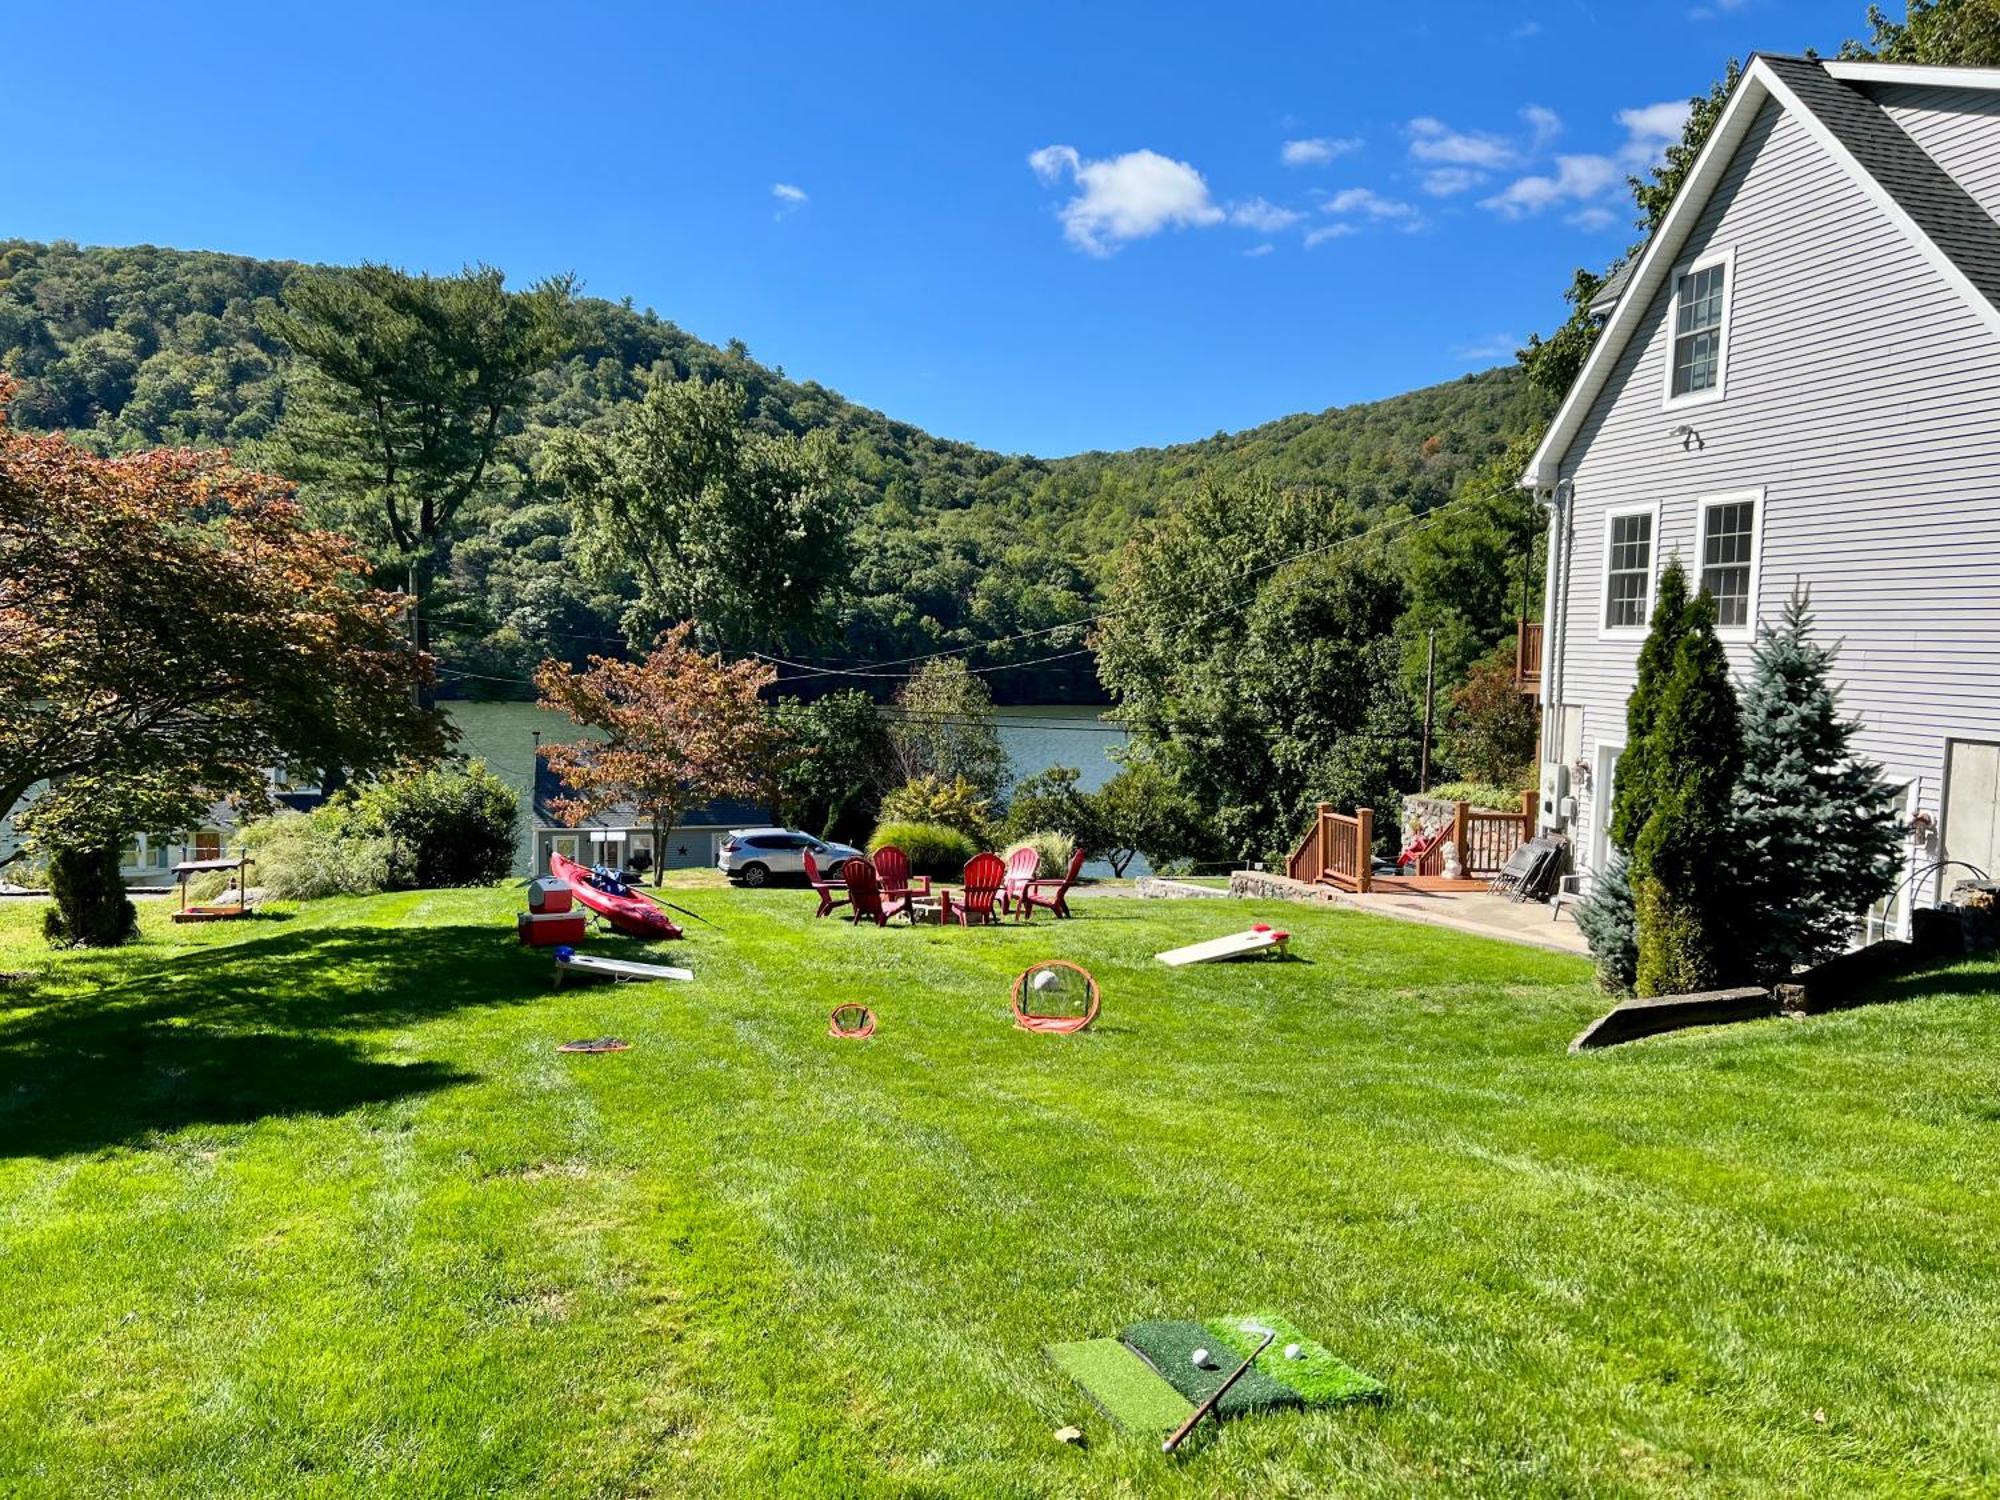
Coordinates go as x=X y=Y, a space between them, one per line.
x=629 y=913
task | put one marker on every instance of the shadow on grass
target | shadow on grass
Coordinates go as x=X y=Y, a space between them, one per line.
x=230 y=1035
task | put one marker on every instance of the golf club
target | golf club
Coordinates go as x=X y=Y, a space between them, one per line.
x=1209 y=1405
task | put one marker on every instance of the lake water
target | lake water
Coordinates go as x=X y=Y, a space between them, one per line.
x=502 y=735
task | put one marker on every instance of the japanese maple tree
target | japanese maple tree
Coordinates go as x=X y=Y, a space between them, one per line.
x=678 y=728
x=170 y=628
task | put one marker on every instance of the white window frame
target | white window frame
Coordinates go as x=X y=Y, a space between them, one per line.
x=1747 y=631
x=1637 y=632
x=1726 y=258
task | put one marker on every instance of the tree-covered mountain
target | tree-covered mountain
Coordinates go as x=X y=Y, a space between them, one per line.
x=132 y=348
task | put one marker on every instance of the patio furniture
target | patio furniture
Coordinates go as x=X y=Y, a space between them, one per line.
x=1570 y=888
x=892 y=868
x=973 y=906
x=1052 y=895
x=831 y=893
x=869 y=900
x=1531 y=870
x=1021 y=867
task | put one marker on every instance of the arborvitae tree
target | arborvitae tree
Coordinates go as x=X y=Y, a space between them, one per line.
x=1684 y=863
x=1611 y=927
x=1817 y=830
x=1634 y=794
x=89 y=909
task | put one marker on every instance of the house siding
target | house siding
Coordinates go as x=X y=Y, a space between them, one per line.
x=1861 y=395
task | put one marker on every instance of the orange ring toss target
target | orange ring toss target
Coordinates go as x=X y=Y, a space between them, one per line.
x=851 y=1022
x=1025 y=987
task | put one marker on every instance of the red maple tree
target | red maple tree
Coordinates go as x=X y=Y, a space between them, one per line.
x=678 y=728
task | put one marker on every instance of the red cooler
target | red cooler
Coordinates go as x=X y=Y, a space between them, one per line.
x=539 y=929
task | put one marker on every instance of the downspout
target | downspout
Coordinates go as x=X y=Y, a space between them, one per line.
x=1555 y=600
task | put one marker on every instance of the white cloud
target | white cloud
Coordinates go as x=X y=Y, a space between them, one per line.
x=1263 y=216
x=1447 y=182
x=1434 y=141
x=1317 y=151
x=1361 y=200
x=1125 y=198
x=1525 y=30
x=1716 y=9
x=1576 y=179
x=1544 y=122
x=1493 y=346
x=790 y=197
x=1650 y=129
x=1590 y=184
x=1328 y=232
x=1264 y=249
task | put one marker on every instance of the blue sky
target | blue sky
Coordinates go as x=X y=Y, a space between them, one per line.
x=1042 y=228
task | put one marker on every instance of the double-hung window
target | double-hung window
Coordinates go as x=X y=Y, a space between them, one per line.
x=1699 y=320
x=1631 y=539
x=1729 y=531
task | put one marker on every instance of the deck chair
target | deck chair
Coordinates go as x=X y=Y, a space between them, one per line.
x=1530 y=870
x=831 y=893
x=892 y=868
x=869 y=900
x=1422 y=845
x=1052 y=895
x=1021 y=867
x=973 y=907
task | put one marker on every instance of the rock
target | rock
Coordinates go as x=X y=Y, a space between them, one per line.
x=1071 y=1435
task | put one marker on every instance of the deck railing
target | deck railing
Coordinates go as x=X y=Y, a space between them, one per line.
x=1337 y=849
x=1528 y=656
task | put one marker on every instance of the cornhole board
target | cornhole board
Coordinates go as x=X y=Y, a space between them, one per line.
x=617 y=970
x=1259 y=939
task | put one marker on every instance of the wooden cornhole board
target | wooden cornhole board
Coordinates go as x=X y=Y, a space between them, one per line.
x=1218 y=950
x=617 y=970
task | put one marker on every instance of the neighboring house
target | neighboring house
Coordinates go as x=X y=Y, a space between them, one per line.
x=613 y=838
x=148 y=859
x=1799 y=383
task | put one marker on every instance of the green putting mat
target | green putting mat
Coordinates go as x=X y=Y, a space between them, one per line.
x=1119 y=1382
x=1317 y=1375
x=1169 y=1348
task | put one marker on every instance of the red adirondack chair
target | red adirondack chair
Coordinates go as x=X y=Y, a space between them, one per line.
x=1020 y=871
x=831 y=892
x=866 y=896
x=1038 y=891
x=974 y=906
x=892 y=866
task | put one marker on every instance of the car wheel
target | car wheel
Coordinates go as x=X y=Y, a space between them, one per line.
x=753 y=875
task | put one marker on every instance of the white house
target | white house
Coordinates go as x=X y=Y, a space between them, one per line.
x=1799 y=382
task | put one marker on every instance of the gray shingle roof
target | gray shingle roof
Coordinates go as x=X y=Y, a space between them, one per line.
x=1954 y=221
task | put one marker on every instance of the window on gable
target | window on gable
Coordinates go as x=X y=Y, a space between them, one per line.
x=1728 y=555
x=1698 y=304
x=1628 y=571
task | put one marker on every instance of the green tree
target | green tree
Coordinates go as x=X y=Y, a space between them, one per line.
x=942 y=726
x=1611 y=927
x=745 y=533
x=1552 y=364
x=1949 y=33
x=1051 y=801
x=833 y=778
x=401 y=393
x=1635 y=792
x=1655 y=192
x=1139 y=811
x=1242 y=674
x=1817 y=828
x=1490 y=727
x=445 y=826
x=1684 y=860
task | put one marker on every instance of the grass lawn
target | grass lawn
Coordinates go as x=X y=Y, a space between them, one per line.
x=311 y=1206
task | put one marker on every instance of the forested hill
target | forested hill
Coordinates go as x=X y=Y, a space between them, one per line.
x=138 y=347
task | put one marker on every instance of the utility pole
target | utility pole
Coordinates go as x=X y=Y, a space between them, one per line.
x=1430 y=707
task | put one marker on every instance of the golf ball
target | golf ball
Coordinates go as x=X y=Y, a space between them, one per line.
x=1199 y=1359
x=1293 y=1351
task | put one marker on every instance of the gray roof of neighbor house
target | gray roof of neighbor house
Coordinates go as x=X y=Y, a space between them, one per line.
x=723 y=812
x=1943 y=220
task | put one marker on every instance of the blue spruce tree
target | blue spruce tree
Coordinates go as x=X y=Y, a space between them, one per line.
x=1816 y=827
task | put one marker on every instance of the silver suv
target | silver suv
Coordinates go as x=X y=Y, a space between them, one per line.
x=751 y=856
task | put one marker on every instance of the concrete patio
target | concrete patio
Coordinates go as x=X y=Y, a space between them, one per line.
x=1463 y=910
